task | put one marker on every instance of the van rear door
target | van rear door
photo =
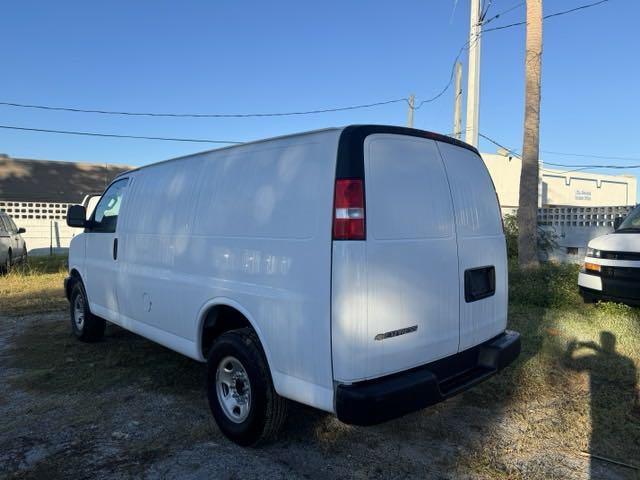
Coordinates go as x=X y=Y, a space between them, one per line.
x=482 y=252
x=395 y=295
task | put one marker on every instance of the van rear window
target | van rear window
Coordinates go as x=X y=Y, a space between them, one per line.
x=407 y=195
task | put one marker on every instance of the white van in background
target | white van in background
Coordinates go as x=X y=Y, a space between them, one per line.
x=612 y=265
x=359 y=270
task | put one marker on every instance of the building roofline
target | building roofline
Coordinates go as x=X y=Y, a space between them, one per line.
x=63 y=162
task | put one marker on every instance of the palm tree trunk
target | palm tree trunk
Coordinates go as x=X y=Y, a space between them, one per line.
x=528 y=205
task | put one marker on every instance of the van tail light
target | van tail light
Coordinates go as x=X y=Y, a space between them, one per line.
x=349 y=212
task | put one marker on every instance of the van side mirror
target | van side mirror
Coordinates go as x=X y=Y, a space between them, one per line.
x=76 y=216
x=22 y=230
x=617 y=222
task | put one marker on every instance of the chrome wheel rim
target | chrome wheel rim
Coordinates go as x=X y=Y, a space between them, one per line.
x=233 y=389
x=78 y=312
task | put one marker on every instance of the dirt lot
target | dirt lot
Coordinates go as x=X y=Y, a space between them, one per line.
x=126 y=407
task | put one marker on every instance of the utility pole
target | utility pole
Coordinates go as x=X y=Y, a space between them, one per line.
x=473 y=75
x=529 y=175
x=412 y=99
x=457 y=103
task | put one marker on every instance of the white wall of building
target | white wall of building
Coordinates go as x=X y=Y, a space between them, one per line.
x=45 y=224
x=559 y=187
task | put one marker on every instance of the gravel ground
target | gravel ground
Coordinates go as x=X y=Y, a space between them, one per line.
x=126 y=407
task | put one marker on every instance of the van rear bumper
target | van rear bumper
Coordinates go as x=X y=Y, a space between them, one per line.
x=381 y=399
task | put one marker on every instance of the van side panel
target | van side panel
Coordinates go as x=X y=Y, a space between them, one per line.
x=155 y=235
x=481 y=242
x=251 y=224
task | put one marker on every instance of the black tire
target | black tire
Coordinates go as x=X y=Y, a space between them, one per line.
x=8 y=262
x=90 y=328
x=587 y=297
x=267 y=410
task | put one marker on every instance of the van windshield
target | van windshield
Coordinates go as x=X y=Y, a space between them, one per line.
x=632 y=222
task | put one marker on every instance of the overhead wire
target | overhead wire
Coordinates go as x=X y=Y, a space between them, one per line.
x=498 y=15
x=202 y=115
x=113 y=135
x=577 y=167
x=545 y=17
x=466 y=45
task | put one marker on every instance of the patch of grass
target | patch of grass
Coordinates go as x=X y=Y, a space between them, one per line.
x=35 y=286
x=575 y=385
x=54 y=361
x=550 y=285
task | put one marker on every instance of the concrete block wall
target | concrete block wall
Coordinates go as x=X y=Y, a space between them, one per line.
x=45 y=223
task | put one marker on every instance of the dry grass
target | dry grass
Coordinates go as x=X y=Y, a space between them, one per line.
x=567 y=393
x=34 y=287
x=564 y=395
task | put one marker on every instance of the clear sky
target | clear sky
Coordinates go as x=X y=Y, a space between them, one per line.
x=236 y=57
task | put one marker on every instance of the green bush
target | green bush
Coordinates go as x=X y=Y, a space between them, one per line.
x=511 y=234
x=547 y=240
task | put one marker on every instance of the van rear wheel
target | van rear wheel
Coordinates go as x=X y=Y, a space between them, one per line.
x=86 y=326
x=241 y=396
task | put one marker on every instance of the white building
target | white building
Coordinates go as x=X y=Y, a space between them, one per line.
x=560 y=187
x=37 y=193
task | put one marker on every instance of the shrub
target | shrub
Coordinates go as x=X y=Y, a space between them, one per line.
x=547 y=239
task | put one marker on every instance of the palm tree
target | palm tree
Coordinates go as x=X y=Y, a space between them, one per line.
x=528 y=205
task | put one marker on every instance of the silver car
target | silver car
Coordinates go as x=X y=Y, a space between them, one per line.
x=12 y=246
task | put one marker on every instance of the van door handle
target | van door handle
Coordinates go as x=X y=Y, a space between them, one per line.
x=115 y=248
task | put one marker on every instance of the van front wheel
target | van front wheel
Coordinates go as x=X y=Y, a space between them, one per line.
x=241 y=396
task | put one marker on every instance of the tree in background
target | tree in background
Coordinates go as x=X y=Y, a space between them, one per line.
x=528 y=204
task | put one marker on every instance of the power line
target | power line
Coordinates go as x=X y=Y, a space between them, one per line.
x=571 y=10
x=498 y=15
x=270 y=114
x=498 y=144
x=502 y=27
x=616 y=167
x=201 y=115
x=584 y=155
x=551 y=15
x=303 y=112
x=484 y=10
x=113 y=135
x=464 y=47
x=578 y=167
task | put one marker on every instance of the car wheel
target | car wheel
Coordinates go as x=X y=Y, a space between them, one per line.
x=6 y=268
x=587 y=297
x=241 y=396
x=86 y=326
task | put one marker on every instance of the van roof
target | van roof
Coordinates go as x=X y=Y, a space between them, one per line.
x=372 y=128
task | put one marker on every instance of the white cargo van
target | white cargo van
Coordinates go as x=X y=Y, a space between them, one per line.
x=612 y=265
x=359 y=270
